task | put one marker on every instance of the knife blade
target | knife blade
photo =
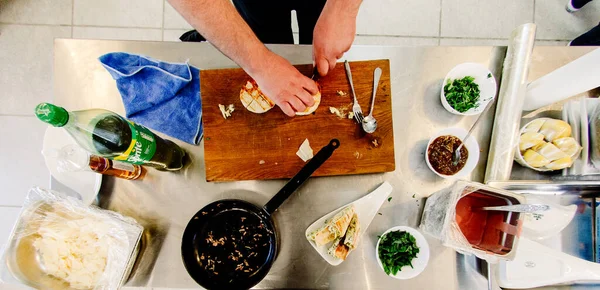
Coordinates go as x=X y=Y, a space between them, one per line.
x=315 y=74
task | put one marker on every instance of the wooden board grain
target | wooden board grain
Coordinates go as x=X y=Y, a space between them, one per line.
x=250 y=146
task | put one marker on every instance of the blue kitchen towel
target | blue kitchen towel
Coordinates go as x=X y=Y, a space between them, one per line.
x=160 y=95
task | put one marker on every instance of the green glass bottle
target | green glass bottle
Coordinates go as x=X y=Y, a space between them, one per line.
x=109 y=135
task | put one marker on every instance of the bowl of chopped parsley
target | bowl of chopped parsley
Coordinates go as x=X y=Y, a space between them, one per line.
x=467 y=89
x=402 y=252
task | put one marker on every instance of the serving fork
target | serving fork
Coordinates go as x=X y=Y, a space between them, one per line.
x=358 y=115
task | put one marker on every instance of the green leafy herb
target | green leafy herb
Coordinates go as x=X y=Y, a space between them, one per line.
x=207 y=138
x=389 y=199
x=462 y=94
x=489 y=75
x=379 y=213
x=413 y=195
x=396 y=250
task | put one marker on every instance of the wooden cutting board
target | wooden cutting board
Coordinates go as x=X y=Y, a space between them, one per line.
x=250 y=146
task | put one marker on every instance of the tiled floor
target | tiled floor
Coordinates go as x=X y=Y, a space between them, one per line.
x=28 y=27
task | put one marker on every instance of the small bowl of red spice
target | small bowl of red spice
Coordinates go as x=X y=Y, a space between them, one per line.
x=440 y=151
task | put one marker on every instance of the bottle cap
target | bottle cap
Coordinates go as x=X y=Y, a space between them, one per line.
x=51 y=114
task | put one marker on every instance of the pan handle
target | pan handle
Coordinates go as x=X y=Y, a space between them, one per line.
x=304 y=173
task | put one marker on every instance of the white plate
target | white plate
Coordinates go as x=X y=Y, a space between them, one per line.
x=85 y=183
x=472 y=147
x=487 y=86
x=419 y=263
x=365 y=208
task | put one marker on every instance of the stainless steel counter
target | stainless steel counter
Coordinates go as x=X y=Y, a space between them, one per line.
x=164 y=202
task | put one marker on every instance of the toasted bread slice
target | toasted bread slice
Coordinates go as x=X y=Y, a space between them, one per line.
x=338 y=249
x=352 y=234
x=253 y=99
x=311 y=109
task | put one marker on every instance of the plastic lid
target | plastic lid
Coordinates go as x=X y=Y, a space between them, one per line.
x=51 y=114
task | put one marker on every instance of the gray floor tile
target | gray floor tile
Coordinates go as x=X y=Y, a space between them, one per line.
x=554 y=22
x=484 y=19
x=36 y=11
x=473 y=42
x=26 y=60
x=130 y=13
x=89 y=32
x=400 y=18
x=22 y=165
x=395 y=40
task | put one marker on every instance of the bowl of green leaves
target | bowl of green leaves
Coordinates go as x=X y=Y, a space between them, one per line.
x=467 y=89
x=402 y=252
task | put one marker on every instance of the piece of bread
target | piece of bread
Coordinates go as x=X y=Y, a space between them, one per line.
x=340 y=222
x=322 y=236
x=311 y=109
x=338 y=249
x=253 y=99
x=352 y=234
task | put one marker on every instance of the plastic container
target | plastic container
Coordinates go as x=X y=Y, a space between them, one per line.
x=442 y=220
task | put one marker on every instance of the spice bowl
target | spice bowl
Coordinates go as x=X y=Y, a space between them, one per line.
x=418 y=263
x=471 y=145
x=483 y=78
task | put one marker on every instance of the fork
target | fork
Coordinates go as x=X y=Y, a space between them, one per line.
x=358 y=115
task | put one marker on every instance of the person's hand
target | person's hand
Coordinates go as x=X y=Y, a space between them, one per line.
x=333 y=35
x=285 y=85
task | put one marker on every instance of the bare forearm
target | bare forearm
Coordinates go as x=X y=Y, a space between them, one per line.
x=346 y=7
x=220 y=23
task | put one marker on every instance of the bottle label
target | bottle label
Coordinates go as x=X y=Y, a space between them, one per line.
x=142 y=147
x=123 y=166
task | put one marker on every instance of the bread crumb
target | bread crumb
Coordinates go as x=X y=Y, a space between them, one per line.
x=351 y=115
x=341 y=93
x=357 y=155
x=261 y=162
x=375 y=143
x=226 y=111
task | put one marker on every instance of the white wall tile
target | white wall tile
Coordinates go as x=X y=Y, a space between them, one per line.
x=402 y=18
x=22 y=165
x=484 y=19
x=473 y=42
x=395 y=40
x=26 y=61
x=173 y=34
x=36 y=11
x=554 y=22
x=130 y=13
x=89 y=32
x=173 y=19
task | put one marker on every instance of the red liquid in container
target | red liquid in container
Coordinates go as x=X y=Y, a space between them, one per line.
x=484 y=229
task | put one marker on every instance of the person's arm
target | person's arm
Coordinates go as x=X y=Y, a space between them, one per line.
x=220 y=23
x=334 y=33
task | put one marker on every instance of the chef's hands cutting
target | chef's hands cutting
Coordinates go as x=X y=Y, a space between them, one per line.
x=285 y=85
x=333 y=34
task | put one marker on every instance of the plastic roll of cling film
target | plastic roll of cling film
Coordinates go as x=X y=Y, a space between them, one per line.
x=510 y=103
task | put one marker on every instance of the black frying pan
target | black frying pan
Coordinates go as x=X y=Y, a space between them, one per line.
x=231 y=243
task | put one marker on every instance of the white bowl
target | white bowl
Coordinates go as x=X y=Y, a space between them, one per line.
x=487 y=86
x=472 y=147
x=419 y=263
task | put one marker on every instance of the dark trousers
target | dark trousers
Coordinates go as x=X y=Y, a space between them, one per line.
x=271 y=20
x=590 y=38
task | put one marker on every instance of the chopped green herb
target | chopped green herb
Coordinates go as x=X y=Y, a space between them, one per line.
x=207 y=138
x=379 y=236
x=389 y=199
x=462 y=94
x=379 y=213
x=396 y=250
x=489 y=75
x=413 y=195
